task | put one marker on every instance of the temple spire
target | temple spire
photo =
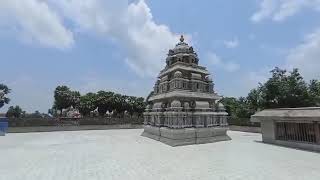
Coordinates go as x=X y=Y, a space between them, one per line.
x=181 y=38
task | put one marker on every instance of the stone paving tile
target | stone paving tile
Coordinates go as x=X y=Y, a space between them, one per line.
x=124 y=154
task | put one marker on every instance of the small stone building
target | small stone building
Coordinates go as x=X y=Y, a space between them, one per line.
x=183 y=107
x=292 y=127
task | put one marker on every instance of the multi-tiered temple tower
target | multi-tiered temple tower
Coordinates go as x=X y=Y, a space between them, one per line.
x=183 y=107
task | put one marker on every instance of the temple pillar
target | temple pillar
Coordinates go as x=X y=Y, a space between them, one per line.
x=210 y=121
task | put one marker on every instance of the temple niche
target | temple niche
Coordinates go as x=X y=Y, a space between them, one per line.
x=183 y=107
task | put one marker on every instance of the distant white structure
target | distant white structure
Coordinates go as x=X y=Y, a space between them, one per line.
x=73 y=113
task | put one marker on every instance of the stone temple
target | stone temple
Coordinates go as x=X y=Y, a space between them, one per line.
x=183 y=108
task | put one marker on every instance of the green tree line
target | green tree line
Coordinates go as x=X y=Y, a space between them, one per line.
x=102 y=102
x=282 y=90
x=17 y=112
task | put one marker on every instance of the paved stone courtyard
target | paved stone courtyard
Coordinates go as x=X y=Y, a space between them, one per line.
x=124 y=154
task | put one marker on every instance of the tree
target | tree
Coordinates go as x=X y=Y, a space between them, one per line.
x=15 y=112
x=53 y=112
x=61 y=98
x=65 y=98
x=131 y=104
x=237 y=108
x=231 y=104
x=105 y=102
x=282 y=89
x=314 y=92
x=285 y=90
x=120 y=104
x=255 y=100
x=75 y=99
x=140 y=106
x=87 y=103
x=135 y=105
x=36 y=114
x=4 y=90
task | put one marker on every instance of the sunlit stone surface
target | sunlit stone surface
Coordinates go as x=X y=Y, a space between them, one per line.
x=124 y=154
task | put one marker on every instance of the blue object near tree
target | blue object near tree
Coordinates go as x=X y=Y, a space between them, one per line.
x=3 y=126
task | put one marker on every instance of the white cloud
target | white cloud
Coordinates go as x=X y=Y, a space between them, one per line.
x=35 y=22
x=130 y=25
x=226 y=65
x=306 y=56
x=267 y=8
x=147 y=41
x=232 y=43
x=279 y=10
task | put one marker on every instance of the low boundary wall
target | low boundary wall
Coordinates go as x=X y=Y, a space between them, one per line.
x=71 y=128
x=25 y=129
x=34 y=122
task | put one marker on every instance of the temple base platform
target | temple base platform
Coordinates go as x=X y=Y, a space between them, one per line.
x=186 y=136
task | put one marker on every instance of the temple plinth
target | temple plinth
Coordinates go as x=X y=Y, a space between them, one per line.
x=183 y=107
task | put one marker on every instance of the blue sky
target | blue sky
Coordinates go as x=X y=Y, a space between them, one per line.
x=119 y=45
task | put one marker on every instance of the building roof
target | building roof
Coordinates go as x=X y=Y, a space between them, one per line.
x=304 y=114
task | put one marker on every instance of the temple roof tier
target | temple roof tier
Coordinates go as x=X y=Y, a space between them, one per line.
x=182 y=66
x=185 y=94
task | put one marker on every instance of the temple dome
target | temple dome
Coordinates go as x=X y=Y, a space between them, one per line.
x=221 y=107
x=181 y=47
x=175 y=104
x=177 y=74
